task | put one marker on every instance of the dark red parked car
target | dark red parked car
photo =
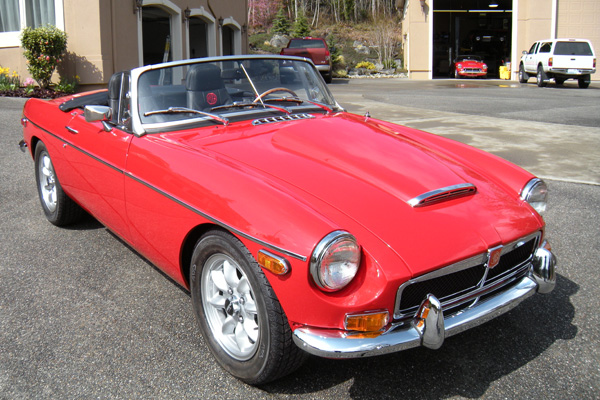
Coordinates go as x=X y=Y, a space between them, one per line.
x=313 y=48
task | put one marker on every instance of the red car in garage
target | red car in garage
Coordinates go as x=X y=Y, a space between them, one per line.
x=469 y=66
x=298 y=228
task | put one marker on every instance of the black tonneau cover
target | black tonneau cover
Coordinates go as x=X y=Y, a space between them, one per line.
x=96 y=99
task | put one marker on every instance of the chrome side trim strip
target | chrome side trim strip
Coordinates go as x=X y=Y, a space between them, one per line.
x=180 y=202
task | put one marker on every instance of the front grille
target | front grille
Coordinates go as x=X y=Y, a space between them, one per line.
x=459 y=285
x=472 y=70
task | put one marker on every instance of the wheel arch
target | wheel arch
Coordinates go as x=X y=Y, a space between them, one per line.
x=34 y=142
x=189 y=244
x=187 y=248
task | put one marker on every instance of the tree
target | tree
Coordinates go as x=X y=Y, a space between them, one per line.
x=301 y=27
x=281 y=24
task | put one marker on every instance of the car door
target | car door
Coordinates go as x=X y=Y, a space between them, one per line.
x=98 y=153
x=530 y=59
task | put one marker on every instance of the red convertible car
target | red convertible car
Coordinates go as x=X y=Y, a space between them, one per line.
x=469 y=66
x=297 y=227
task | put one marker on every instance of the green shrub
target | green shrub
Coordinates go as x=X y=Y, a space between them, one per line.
x=366 y=64
x=43 y=48
x=340 y=73
x=66 y=85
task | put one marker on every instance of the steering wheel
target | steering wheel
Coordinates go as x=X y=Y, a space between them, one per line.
x=273 y=90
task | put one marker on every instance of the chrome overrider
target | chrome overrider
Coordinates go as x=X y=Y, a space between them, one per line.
x=429 y=328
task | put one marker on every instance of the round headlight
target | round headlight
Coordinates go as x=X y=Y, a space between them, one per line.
x=335 y=261
x=536 y=194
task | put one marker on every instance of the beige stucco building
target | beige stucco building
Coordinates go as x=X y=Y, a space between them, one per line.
x=106 y=36
x=435 y=31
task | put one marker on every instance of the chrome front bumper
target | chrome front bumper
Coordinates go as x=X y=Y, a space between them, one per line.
x=429 y=328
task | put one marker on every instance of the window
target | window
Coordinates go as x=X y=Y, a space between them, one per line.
x=532 y=49
x=573 y=49
x=545 y=48
x=15 y=15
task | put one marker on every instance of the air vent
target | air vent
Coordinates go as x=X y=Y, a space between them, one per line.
x=283 y=118
x=443 y=194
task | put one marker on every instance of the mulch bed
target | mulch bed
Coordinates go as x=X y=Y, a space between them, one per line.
x=37 y=92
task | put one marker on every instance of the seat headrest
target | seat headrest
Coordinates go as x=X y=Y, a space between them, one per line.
x=202 y=77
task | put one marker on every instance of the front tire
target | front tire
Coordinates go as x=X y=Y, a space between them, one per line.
x=542 y=78
x=238 y=312
x=59 y=209
x=523 y=76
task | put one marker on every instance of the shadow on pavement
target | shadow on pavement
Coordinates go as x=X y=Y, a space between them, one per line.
x=497 y=349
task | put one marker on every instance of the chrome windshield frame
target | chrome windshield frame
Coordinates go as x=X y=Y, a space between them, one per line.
x=140 y=128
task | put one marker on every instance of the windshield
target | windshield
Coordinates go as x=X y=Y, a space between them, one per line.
x=468 y=58
x=229 y=90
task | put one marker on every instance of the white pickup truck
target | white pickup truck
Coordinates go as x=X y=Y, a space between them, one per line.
x=560 y=59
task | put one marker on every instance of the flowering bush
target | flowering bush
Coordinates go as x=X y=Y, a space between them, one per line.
x=8 y=81
x=366 y=64
x=43 y=48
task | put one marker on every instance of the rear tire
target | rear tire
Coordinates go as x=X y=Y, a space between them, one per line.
x=59 y=209
x=523 y=76
x=240 y=317
x=541 y=77
x=584 y=81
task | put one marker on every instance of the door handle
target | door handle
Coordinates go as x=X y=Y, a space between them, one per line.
x=74 y=131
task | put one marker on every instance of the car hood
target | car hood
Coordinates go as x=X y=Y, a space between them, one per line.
x=369 y=171
x=470 y=63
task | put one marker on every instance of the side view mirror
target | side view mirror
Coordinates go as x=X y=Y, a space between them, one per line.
x=524 y=52
x=98 y=113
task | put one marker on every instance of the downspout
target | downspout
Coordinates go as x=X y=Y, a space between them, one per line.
x=553 y=27
x=113 y=46
x=514 y=55
x=430 y=39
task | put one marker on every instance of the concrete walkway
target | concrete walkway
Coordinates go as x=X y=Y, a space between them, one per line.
x=549 y=150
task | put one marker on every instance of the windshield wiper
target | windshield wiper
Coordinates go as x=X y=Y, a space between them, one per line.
x=300 y=101
x=176 y=110
x=242 y=105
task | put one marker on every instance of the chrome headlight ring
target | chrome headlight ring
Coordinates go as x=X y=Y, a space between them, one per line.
x=535 y=193
x=335 y=261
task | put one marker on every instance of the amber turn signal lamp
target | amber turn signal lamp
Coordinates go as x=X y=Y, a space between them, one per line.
x=273 y=263
x=367 y=322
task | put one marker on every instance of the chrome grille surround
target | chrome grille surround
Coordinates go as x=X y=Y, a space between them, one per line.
x=283 y=118
x=469 y=279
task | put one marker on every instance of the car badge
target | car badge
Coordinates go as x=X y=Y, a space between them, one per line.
x=494 y=256
x=211 y=99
